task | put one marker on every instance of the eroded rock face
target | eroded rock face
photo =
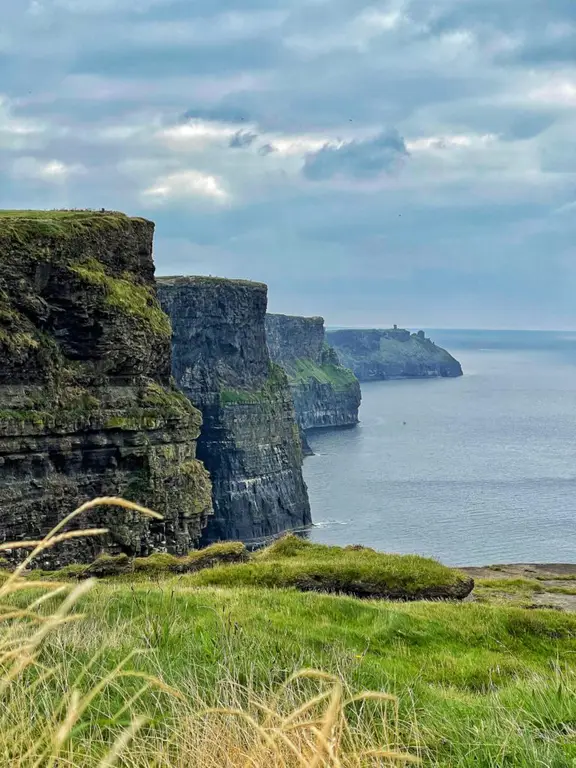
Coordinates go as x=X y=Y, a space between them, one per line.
x=325 y=393
x=392 y=354
x=86 y=404
x=249 y=440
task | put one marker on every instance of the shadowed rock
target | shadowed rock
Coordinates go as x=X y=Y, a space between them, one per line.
x=249 y=441
x=86 y=404
x=325 y=393
x=392 y=354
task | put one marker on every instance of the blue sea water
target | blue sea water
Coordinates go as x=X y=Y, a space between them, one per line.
x=475 y=470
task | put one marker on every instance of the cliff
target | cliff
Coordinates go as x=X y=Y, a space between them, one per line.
x=392 y=354
x=86 y=404
x=249 y=440
x=325 y=393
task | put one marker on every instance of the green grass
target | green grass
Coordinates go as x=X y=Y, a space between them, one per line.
x=510 y=585
x=26 y=224
x=338 y=377
x=226 y=551
x=273 y=386
x=521 y=592
x=239 y=397
x=123 y=294
x=207 y=279
x=292 y=562
x=479 y=686
x=157 y=564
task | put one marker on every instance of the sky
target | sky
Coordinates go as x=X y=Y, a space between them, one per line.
x=403 y=161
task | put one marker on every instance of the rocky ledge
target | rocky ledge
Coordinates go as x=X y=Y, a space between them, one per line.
x=526 y=585
x=249 y=441
x=87 y=407
x=392 y=354
x=325 y=393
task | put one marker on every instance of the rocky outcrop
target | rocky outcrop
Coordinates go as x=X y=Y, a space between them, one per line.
x=249 y=441
x=392 y=354
x=87 y=407
x=325 y=393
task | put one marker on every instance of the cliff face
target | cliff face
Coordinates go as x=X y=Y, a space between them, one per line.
x=249 y=441
x=86 y=404
x=325 y=393
x=392 y=354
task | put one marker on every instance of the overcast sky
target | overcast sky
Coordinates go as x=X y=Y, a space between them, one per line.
x=408 y=161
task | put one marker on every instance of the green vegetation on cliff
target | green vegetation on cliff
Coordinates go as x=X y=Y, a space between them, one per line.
x=26 y=225
x=479 y=686
x=123 y=294
x=87 y=405
x=294 y=562
x=98 y=256
x=336 y=376
x=207 y=280
x=273 y=385
x=154 y=670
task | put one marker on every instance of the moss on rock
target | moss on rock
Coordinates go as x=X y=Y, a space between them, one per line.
x=123 y=294
x=87 y=404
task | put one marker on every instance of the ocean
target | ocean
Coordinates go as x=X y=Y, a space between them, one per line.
x=475 y=470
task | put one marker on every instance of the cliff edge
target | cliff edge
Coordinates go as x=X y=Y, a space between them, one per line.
x=325 y=393
x=392 y=354
x=86 y=404
x=249 y=440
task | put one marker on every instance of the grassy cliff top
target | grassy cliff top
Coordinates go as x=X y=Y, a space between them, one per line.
x=297 y=563
x=60 y=223
x=478 y=685
x=175 y=280
x=337 y=376
x=309 y=319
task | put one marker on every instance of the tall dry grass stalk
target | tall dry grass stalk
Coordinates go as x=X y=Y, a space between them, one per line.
x=48 y=720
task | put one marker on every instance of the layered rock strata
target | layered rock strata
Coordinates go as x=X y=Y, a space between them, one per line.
x=325 y=393
x=249 y=440
x=87 y=407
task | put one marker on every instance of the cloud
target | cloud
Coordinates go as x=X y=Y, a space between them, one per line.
x=558 y=92
x=51 y=171
x=357 y=159
x=219 y=113
x=186 y=185
x=17 y=132
x=136 y=104
x=242 y=139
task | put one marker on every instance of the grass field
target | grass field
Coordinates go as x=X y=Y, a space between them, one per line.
x=478 y=685
x=362 y=572
x=159 y=671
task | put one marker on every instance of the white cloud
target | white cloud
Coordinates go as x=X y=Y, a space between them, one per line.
x=451 y=142
x=196 y=133
x=184 y=185
x=52 y=171
x=15 y=132
x=557 y=92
